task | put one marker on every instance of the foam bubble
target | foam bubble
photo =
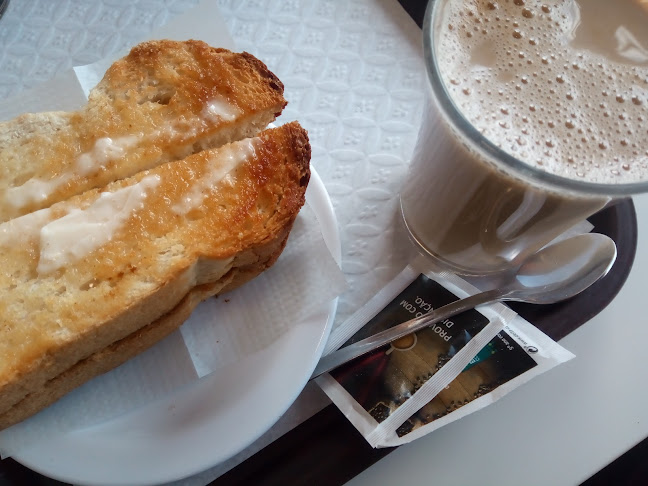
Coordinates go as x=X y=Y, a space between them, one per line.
x=574 y=111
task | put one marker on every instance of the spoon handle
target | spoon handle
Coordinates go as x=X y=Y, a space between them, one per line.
x=346 y=354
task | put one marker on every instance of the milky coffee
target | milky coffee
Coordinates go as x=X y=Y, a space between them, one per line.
x=560 y=85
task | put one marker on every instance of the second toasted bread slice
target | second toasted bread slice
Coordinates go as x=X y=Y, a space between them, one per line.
x=92 y=270
x=163 y=101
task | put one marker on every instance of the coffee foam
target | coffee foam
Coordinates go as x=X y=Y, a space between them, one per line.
x=513 y=70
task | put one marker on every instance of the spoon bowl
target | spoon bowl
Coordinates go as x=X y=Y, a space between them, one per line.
x=555 y=273
x=563 y=270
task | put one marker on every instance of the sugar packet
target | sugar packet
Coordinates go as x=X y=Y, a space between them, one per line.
x=415 y=385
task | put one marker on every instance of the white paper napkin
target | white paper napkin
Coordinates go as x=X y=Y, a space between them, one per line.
x=249 y=319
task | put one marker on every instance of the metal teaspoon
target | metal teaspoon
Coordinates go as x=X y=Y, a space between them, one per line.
x=555 y=273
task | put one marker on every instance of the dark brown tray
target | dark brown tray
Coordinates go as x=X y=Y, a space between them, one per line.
x=326 y=449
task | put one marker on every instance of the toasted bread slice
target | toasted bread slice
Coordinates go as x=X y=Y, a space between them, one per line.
x=162 y=102
x=93 y=270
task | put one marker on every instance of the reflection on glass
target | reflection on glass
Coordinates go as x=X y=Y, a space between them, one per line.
x=3 y=6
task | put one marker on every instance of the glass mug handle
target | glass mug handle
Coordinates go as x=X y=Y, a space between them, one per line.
x=531 y=205
x=508 y=239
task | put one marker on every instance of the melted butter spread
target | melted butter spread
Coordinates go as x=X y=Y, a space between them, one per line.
x=75 y=235
x=220 y=109
x=105 y=150
x=22 y=229
x=34 y=191
x=223 y=163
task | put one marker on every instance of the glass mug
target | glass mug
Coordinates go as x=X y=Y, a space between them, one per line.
x=473 y=207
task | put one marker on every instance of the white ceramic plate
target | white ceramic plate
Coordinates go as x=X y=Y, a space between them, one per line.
x=206 y=422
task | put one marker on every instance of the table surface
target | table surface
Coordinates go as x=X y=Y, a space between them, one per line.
x=558 y=429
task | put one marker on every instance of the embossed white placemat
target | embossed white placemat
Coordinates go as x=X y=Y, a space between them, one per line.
x=354 y=78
